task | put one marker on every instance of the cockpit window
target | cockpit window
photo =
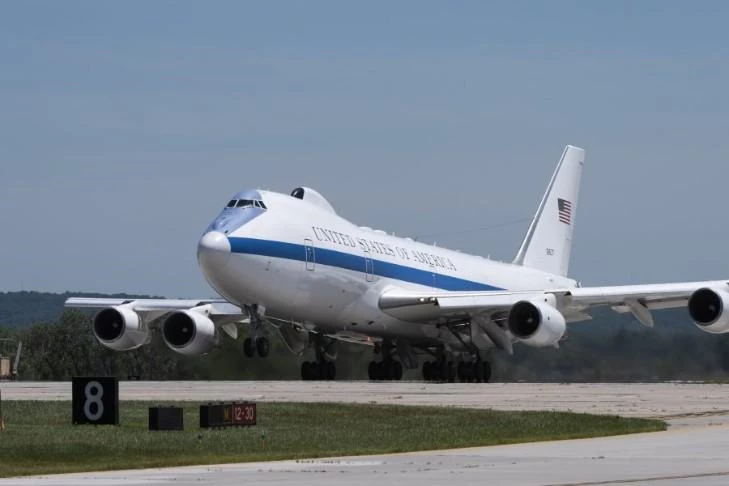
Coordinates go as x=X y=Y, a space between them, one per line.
x=298 y=193
x=244 y=203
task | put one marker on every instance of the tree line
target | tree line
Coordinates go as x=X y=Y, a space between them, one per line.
x=615 y=349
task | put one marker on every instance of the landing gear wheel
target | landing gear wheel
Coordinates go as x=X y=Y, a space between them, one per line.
x=382 y=371
x=318 y=370
x=427 y=371
x=463 y=372
x=486 y=371
x=263 y=346
x=331 y=370
x=249 y=348
x=396 y=371
x=450 y=374
x=372 y=371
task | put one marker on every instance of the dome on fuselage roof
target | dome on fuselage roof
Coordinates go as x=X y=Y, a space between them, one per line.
x=310 y=195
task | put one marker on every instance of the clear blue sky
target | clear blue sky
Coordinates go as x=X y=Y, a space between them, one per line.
x=124 y=126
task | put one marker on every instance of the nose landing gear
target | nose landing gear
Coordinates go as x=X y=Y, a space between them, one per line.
x=256 y=343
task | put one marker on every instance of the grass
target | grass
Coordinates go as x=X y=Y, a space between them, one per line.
x=40 y=439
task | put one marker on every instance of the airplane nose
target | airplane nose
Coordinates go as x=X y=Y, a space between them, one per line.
x=213 y=251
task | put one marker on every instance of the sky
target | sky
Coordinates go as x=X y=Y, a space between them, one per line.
x=126 y=126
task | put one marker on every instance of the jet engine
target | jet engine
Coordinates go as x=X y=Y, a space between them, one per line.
x=536 y=324
x=189 y=332
x=708 y=310
x=120 y=329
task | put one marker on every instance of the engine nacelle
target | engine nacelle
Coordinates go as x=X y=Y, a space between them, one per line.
x=120 y=329
x=189 y=332
x=536 y=324
x=708 y=310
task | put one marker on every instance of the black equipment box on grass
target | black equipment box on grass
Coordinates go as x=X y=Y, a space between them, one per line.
x=165 y=418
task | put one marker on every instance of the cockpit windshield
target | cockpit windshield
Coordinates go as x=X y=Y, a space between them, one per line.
x=246 y=203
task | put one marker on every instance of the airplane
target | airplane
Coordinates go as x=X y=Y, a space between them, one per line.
x=288 y=263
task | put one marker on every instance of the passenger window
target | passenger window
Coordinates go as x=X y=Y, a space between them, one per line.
x=245 y=203
x=231 y=204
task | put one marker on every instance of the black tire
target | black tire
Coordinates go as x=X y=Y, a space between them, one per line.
x=486 y=371
x=427 y=373
x=396 y=370
x=263 y=346
x=305 y=376
x=372 y=371
x=383 y=371
x=450 y=372
x=331 y=370
x=249 y=349
x=462 y=371
x=477 y=372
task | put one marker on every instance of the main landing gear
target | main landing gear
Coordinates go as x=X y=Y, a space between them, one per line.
x=445 y=370
x=324 y=367
x=318 y=370
x=260 y=345
x=387 y=369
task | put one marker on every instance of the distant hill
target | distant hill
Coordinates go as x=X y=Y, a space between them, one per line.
x=21 y=309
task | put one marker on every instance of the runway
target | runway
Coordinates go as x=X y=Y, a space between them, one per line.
x=693 y=450
x=672 y=401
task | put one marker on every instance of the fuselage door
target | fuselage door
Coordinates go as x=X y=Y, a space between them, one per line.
x=369 y=267
x=310 y=254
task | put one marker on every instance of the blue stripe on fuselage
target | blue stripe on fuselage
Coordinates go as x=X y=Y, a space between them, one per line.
x=333 y=258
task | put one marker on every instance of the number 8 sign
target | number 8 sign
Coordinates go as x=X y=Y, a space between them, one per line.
x=95 y=400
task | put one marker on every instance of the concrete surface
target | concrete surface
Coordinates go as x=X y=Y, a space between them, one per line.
x=695 y=450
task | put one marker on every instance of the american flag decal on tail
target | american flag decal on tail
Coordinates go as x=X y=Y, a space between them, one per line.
x=565 y=210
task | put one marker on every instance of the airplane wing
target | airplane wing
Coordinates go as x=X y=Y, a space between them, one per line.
x=573 y=303
x=218 y=307
x=221 y=312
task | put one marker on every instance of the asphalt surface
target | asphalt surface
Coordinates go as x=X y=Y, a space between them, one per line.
x=693 y=451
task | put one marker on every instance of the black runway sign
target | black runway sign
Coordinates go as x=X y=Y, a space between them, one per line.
x=95 y=400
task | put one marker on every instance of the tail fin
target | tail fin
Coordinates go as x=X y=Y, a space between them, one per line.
x=548 y=242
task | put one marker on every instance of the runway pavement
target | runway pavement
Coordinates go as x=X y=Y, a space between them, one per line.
x=695 y=450
x=656 y=400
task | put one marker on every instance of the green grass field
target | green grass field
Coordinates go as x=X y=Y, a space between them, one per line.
x=40 y=439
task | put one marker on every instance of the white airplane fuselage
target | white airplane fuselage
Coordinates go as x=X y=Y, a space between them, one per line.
x=303 y=263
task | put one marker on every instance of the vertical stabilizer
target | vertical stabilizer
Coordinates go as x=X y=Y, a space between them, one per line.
x=548 y=242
